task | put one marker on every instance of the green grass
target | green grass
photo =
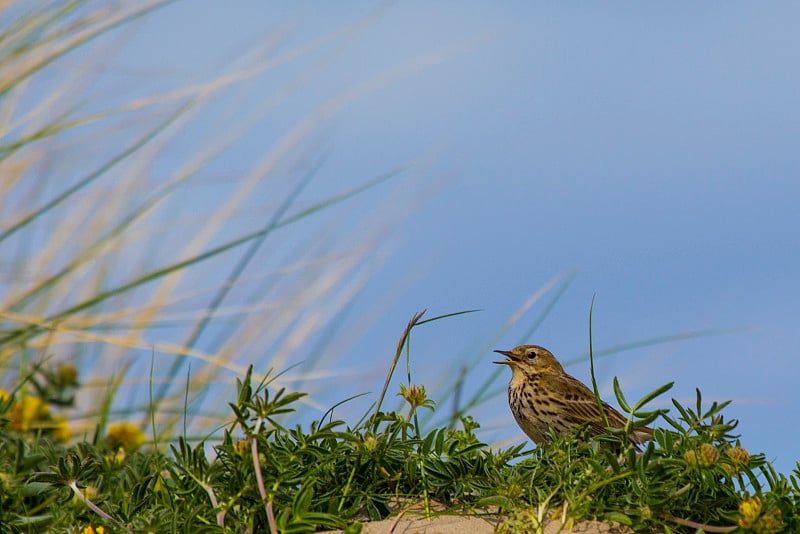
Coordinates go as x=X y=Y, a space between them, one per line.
x=267 y=474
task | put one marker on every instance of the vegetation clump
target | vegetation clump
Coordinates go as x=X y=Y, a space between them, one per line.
x=268 y=475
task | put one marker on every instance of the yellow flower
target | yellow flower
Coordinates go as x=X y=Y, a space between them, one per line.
x=4 y=396
x=771 y=521
x=125 y=435
x=761 y=520
x=91 y=530
x=705 y=457
x=739 y=455
x=370 y=443
x=68 y=374
x=27 y=412
x=242 y=447
x=730 y=469
x=749 y=509
x=708 y=455
x=116 y=459
x=415 y=396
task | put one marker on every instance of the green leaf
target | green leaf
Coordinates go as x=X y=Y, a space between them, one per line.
x=620 y=518
x=32 y=520
x=495 y=500
x=620 y=397
x=34 y=489
x=653 y=394
x=354 y=528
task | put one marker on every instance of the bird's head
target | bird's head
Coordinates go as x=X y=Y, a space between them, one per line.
x=530 y=359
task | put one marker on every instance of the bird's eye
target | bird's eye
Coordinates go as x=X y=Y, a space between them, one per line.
x=531 y=355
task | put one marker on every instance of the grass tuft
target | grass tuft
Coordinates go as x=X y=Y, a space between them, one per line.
x=268 y=474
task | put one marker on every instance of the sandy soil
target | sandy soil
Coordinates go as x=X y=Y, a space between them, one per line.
x=460 y=524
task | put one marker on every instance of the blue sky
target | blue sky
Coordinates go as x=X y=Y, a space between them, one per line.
x=652 y=150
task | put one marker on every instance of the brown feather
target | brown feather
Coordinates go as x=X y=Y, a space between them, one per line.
x=543 y=397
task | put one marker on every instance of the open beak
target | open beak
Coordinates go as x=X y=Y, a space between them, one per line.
x=512 y=358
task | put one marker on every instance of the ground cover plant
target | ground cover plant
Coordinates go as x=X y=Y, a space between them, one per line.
x=269 y=475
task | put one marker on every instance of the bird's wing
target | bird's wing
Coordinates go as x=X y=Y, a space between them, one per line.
x=581 y=403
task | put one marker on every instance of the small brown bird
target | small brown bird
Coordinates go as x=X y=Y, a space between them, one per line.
x=543 y=397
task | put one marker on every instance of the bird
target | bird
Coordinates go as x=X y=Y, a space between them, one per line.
x=544 y=398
